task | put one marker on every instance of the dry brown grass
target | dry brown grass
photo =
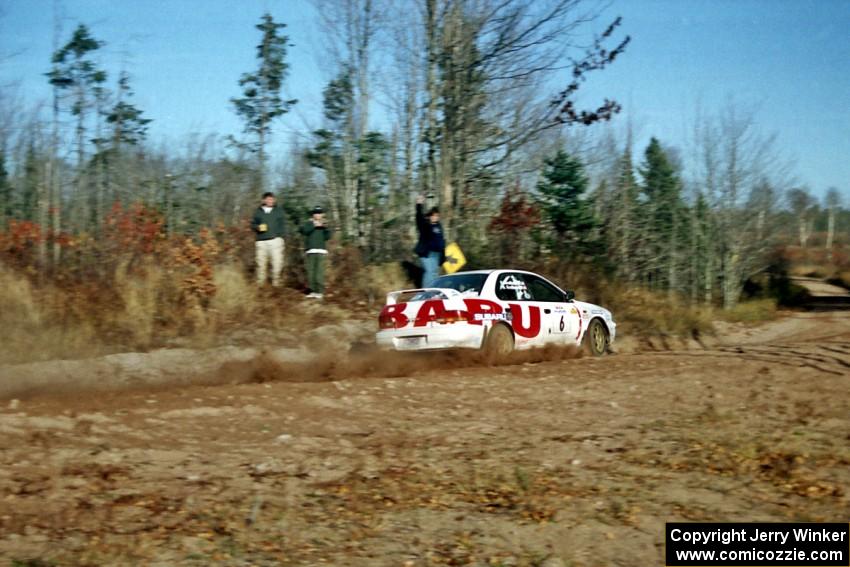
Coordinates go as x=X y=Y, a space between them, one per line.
x=646 y=313
x=32 y=327
x=754 y=311
x=143 y=306
x=140 y=298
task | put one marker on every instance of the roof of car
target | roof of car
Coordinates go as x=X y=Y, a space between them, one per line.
x=471 y=272
x=490 y=271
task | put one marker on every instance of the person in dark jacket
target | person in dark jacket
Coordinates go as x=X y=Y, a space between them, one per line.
x=431 y=246
x=316 y=235
x=268 y=224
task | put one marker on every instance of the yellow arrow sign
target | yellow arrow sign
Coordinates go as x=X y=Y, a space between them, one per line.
x=455 y=259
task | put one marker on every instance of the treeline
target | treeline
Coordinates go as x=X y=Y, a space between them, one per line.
x=474 y=103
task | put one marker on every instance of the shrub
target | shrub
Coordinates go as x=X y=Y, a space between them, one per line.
x=31 y=326
x=755 y=311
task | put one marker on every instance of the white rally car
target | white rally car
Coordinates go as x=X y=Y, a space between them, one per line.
x=495 y=310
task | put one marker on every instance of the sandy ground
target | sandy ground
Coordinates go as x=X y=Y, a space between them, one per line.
x=435 y=461
x=819 y=288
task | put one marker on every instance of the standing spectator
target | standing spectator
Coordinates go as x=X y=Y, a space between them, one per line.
x=316 y=235
x=268 y=225
x=431 y=246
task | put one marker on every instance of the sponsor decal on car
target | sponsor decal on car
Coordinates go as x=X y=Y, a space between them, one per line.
x=491 y=317
x=477 y=312
x=519 y=287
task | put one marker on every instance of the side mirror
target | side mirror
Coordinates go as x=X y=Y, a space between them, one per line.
x=569 y=295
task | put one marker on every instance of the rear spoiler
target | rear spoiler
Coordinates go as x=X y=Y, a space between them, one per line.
x=448 y=293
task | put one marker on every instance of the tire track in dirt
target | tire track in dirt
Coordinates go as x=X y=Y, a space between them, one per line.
x=436 y=460
x=792 y=348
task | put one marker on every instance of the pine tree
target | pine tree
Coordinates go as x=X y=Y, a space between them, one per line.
x=331 y=152
x=30 y=187
x=261 y=102
x=6 y=201
x=125 y=126
x=73 y=71
x=129 y=127
x=570 y=213
x=663 y=202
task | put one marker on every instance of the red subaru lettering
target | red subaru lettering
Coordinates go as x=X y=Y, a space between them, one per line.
x=393 y=316
x=480 y=307
x=432 y=310
x=533 y=328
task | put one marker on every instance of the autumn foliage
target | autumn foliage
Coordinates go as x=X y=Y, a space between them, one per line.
x=133 y=285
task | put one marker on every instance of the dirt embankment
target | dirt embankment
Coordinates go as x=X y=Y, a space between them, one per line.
x=449 y=462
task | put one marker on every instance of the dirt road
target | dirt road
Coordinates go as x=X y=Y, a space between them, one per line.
x=566 y=462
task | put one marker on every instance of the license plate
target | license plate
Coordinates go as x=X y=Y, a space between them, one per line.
x=411 y=343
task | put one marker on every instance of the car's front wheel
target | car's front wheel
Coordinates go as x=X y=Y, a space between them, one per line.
x=499 y=343
x=596 y=338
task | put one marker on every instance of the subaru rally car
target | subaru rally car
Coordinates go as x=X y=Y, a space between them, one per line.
x=494 y=310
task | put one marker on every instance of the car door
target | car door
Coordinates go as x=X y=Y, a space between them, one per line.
x=560 y=318
x=529 y=318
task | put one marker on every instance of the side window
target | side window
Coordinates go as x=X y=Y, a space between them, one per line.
x=511 y=286
x=541 y=290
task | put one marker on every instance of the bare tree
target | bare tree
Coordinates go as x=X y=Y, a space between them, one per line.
x=802 y=202
x=736 y=160
x=832 y=202
x=489 y=72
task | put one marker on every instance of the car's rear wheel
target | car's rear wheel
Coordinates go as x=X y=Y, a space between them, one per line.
x=499 y=343
x=596 y=338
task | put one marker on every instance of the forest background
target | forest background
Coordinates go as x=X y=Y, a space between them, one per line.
x=111 y=241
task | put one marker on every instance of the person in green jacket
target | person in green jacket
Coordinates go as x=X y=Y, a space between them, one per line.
x=268 y=224
x=316 y=235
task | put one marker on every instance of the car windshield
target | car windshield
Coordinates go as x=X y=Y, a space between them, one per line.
x=471 y=283
x=467 y=284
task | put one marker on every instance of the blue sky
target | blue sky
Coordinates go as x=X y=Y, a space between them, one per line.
x=788 y=58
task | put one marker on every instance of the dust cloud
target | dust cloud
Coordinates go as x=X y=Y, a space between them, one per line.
x=365 y=361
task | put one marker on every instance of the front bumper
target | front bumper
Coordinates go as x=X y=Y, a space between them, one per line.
x=456 y=335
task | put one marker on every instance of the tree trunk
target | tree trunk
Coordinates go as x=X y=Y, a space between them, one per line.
x=432 y=52
x=731 y=279
x=830 y=234
x=804 y=231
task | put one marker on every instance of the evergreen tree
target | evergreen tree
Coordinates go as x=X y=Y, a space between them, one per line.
x=329 y=153
x=73 y=71
x=261 y=102
x=6 y=201
x=129 y=127
x=663 y=202
x=29 y=190
x=570 y=213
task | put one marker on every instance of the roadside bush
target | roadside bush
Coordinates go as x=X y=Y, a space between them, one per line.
x=754 y=311
x=33 y=325
x=648 y=313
